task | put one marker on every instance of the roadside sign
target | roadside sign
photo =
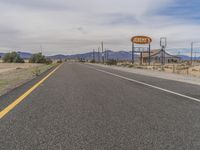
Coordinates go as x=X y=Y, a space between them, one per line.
x=141 y=40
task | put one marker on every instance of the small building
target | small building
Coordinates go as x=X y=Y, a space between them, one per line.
x=157 y=56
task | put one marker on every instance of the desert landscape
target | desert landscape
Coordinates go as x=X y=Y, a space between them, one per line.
x=176 y=68
x=13 y=75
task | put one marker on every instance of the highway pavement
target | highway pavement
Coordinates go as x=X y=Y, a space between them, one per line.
x=85 y=107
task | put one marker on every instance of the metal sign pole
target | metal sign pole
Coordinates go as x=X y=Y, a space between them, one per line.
x=133 y=47
x=149 y=54
x=192 y=44
x=102 y=52
x=99 y=55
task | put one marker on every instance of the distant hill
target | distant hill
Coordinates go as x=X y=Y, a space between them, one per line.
x=184 y=57
x=121 y=55
x=24 y=55
x=1 y=55
x=58 y=56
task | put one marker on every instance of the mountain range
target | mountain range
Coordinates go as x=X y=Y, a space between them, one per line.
x=120 y=55
x=23 y=55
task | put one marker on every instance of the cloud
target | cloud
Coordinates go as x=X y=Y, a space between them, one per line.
x=35 y=4
x=68 y=26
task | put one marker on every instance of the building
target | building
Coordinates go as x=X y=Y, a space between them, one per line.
x=158 y=56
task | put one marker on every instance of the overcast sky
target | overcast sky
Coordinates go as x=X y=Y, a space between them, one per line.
x=77 y=26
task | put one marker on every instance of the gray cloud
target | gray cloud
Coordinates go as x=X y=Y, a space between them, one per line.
x=68 y=26
x=36 y=4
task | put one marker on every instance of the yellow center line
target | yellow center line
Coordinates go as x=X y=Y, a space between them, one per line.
x=23 y=96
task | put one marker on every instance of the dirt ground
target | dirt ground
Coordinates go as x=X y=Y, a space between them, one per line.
x=5 y=67
x=148 y=71
x=176 y=68
x=13 y=75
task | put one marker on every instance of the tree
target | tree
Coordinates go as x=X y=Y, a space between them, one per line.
x=38 y=58
x=13 y=57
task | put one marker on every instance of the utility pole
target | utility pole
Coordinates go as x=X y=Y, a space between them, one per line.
x=107 y=57
x=102 y=52
x=93 y=55
x=99 y=54
x=41 y=50
x=106 y=54
x=192 y=45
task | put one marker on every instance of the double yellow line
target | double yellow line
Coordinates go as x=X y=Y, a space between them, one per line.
x=23 y=96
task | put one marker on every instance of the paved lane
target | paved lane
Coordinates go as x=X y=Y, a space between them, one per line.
x=81 y=108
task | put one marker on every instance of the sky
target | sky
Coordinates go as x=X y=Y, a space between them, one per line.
x=78 y=26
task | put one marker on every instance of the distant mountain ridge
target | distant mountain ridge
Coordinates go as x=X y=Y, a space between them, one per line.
x=23 y=55
x=120 y=55
x=1 y=55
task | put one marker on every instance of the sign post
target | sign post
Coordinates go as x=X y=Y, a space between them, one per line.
x=149 y=54
x=141 y=40
x=133 y=53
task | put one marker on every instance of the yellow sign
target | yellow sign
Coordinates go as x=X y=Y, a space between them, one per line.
x=141 y=40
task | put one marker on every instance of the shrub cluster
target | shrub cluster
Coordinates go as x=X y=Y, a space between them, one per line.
x=13 y=57
x=111 y=62
x=92 y=61
x=37 y=58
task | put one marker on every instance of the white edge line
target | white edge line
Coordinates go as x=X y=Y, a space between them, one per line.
x=146 y=84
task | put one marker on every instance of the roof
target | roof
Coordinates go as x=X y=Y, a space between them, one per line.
x=155 y=52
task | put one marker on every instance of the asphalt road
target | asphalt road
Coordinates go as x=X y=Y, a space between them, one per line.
x=81 y=108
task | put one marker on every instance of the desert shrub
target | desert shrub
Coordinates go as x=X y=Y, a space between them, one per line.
x=130 y=66
x=59 y=61
x=39 y=58
x=13 y=57
x=36 y=71
x=48 y=61
x=111 y=62
x=81 y=60
x=92 y=61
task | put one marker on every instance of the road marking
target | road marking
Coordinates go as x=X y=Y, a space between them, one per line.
x=146 y=84
x=23 y=96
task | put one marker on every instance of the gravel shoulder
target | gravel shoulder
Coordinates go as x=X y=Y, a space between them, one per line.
x=158 y=74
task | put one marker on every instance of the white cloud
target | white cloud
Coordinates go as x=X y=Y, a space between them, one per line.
x=69 y=26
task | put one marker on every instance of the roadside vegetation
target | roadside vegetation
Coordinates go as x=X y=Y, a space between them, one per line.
x=39 y=58
x=20 y=75
x=182 y=68
x=13 y=57
x=111 y=62
x=15 y=72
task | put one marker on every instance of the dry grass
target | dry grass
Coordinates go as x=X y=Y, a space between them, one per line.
x=183 y=68
x=13 y=75
x=5 y=67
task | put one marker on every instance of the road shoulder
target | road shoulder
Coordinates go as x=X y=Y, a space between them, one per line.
x=14 y=93
x=156 y=74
